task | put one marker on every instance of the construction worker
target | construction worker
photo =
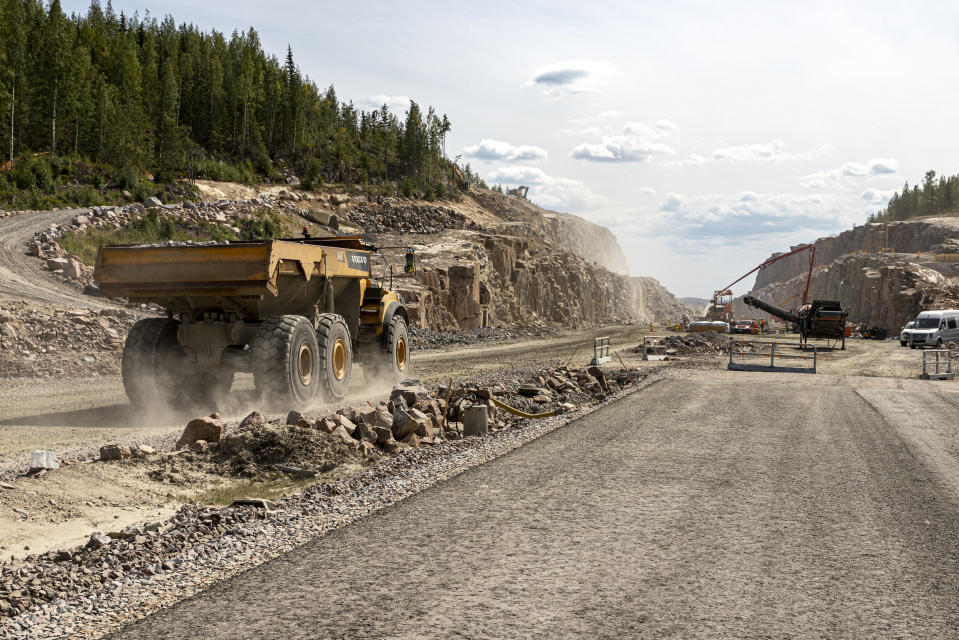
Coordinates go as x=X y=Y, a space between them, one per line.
x=762 y=325
x=306 y=233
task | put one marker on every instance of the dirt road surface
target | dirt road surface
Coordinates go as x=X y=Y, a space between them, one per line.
x=22 y=277
x=715 y=504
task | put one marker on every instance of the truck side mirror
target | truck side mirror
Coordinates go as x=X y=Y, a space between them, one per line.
x=410 y=263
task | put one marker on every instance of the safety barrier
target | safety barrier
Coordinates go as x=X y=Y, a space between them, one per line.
x=771 y=355
x=600 y=351
x=946 y=257
x=943 y=359
x=654 y=347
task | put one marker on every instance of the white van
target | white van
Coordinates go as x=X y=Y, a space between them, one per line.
x=904 y=334
x=935 y=328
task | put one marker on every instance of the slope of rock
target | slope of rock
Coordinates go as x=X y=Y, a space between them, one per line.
x=934 y=235
x=510 y=263
x=877 y=289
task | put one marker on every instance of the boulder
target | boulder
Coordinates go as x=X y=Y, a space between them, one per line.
x=98 y=541
x=255 y=419
x=114 y=452
x=384 y=435
x=57 y=264
x=73 y=269
x=293 y=417
x=199 y=446
x=366 y=432
x=41 y=459
x=326 y=425
x=344 y=435
x=152 y=202
x=207 y=428
x=412 y=393
x=409 y=421
x=412 y=440
x=346 y=423
x=378 y=418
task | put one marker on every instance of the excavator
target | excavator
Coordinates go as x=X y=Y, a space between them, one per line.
x=818 y=319
x=520 y=191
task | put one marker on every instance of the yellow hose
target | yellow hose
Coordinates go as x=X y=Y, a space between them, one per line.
x=523 y=414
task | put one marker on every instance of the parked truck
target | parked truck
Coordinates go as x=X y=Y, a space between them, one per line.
x=295 y=313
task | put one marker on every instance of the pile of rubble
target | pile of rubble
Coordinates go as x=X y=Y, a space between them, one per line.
x=705 y=343
x=44 y=343
x=413 y=417
x=395 y=216
x=426 y=339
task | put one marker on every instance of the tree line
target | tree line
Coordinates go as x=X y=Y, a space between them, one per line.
x=120 y=98
x=933 y=197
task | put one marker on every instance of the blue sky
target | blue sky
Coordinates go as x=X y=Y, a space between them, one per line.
x=705 y=135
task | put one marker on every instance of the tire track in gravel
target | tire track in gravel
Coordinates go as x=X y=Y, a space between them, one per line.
x=21 y=276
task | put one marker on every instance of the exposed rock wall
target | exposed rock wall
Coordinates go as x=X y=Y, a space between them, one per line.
x=930 y=235
x=877 y=289
x=511 y=285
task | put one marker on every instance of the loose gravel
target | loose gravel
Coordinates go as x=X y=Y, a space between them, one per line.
x=202 y=545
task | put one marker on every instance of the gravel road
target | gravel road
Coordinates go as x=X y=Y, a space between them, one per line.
x=22 y=277
x=713 y=505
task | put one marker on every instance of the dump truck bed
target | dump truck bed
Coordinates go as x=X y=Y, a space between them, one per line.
x=235 y=269
x=255 y=279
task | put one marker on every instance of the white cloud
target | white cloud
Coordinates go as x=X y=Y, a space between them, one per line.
x=766 y=152
x=637 y=143
x=571 y=77
x=877 y=196
x=881 y=166
x=877 y=167
x=748 y=215
x=672 y=202
x=551 y=192
x=667 y=125
x=749 y=151
x=396 y=103
x=498 y=150
x=646 y=191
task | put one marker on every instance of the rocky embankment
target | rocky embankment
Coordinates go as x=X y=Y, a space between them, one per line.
x=38 y=342
x=877 y=289
x=484 y=261
x=933 y=235
x=883 y=274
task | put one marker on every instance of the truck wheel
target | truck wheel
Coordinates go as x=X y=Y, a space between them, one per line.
x=151 y=354
x=286 y=360
x=336 y=355
x=397 y=345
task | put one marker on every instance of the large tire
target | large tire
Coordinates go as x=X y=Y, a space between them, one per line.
x=336 y=355
x=397 y=348
x=151 y=360
x=286 y=361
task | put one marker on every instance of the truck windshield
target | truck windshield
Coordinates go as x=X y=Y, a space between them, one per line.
x=927 y=323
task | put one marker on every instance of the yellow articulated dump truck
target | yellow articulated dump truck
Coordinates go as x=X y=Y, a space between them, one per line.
x=295 y=313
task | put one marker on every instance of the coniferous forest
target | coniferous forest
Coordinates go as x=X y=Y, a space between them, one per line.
x=931 y=198
x=99 y=104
